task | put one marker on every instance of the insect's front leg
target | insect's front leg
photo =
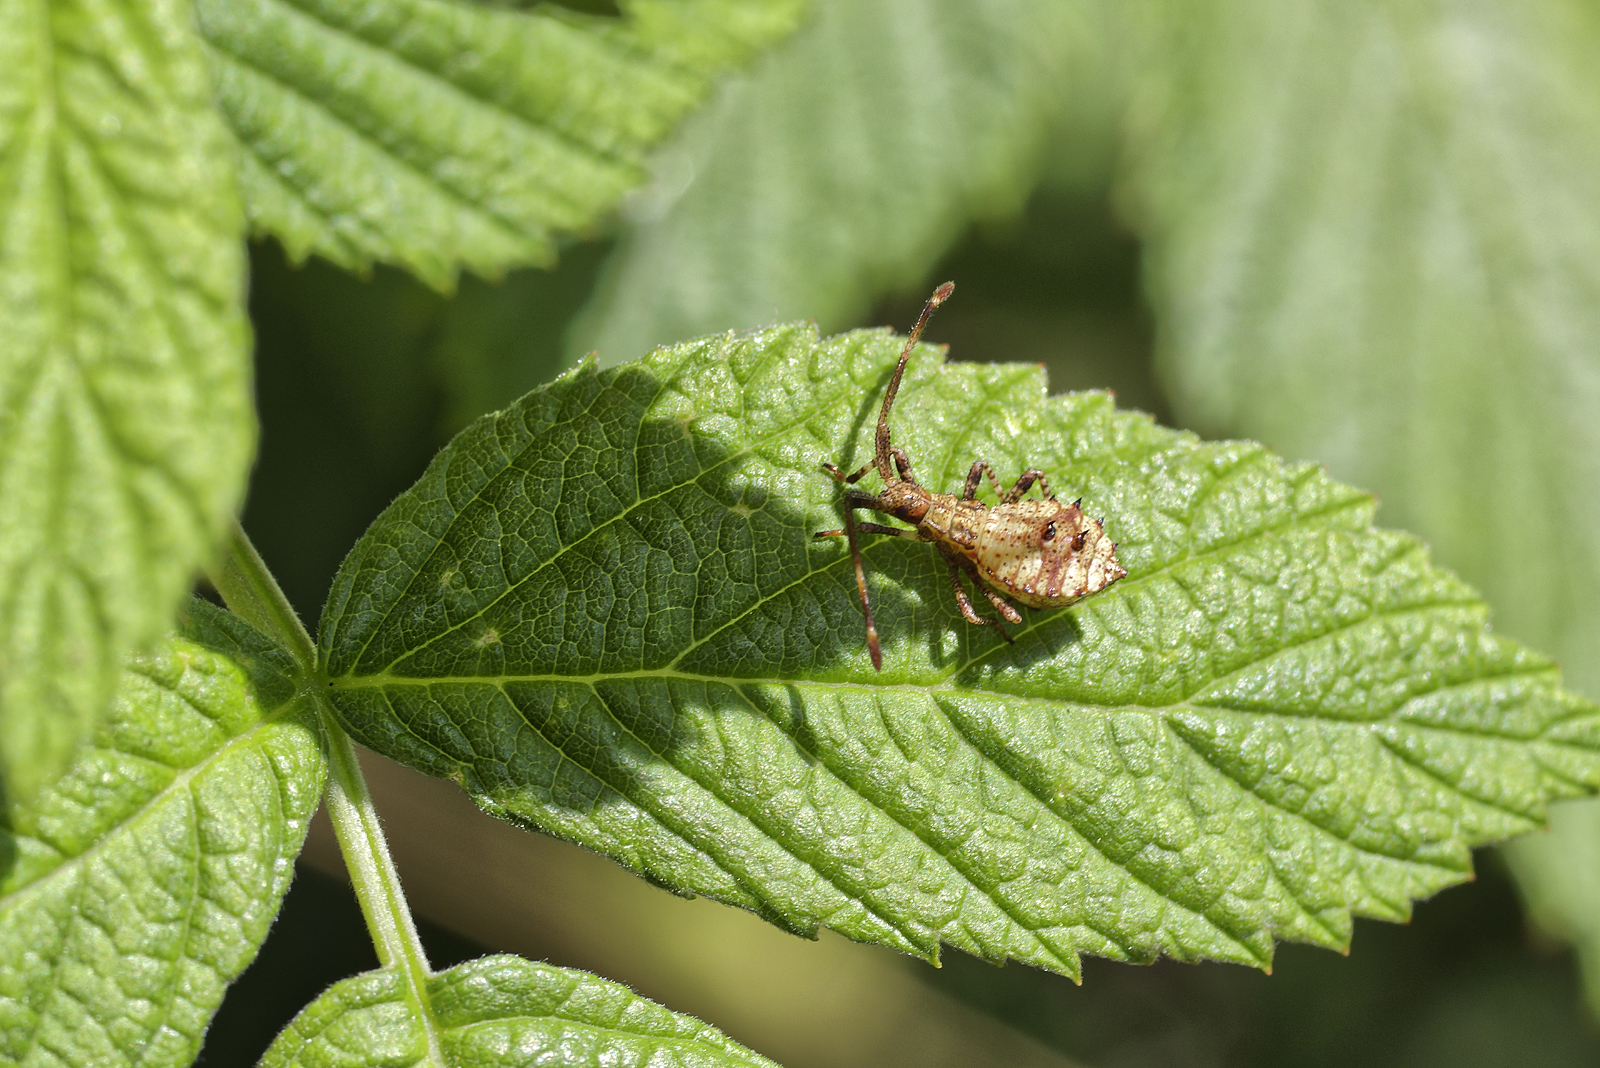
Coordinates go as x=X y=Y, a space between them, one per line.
x=1029 y=477
x=850 y=479
x=853 y=500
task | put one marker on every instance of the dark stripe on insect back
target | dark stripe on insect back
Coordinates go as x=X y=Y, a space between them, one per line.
x=1051 y=574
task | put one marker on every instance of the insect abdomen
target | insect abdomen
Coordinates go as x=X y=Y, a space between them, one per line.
x=1045 y=554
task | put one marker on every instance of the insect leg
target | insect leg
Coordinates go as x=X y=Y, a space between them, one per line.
x=908 y=533
x=873 y=648
x=903 y=463
x=1029 y=477
x=970 y=490
x=964 y=602
x=853 y=500
x=1004 y=606
x=840 y=476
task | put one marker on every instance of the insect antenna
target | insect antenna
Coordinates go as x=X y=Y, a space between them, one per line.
x=940 y=295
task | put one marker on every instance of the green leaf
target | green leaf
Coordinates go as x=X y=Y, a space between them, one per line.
x=125 y=421
x=1374 y=242
x=847 y=163
x=603 y=613
x=500 y=1010
x=143 y=881
x=437 y=135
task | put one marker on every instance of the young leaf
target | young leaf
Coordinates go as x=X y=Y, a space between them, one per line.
x=125 y=418
x=437 y=135
x=142 y=882
x=603 y=613
x=845 y=164
x=1374 y=242
x=500 y=1010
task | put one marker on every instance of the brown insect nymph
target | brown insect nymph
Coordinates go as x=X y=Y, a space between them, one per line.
x=1040 y=552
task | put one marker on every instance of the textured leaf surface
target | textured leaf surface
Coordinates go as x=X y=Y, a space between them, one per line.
x=845 y=164
x=603 y=613
x=143 y=881
x=500 y=1010
x=435 y=135
x=1376 y=244
x=125 y=420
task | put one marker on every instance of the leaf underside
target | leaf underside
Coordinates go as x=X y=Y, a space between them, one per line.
x=436 y=135
x=143 y=881
x=603 y=613
x=501 y=1010
x=126 y=426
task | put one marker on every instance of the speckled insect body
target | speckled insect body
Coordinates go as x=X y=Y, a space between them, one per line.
x=1042 y=553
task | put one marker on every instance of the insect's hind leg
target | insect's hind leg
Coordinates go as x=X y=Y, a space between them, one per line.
x=1004 y=606
x=979 y=469
x=1028 y=478
x=964 y=602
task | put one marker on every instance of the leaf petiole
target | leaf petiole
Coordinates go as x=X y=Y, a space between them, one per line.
x=252 y=592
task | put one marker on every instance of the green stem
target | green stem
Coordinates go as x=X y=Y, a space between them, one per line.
x=253 y=593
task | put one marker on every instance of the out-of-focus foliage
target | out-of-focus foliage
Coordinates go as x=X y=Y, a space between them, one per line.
x=125 y=422
x=1375 y=241
x=435 y=135
x=843 y=164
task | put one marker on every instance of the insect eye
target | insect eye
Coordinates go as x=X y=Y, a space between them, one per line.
x=1049 y=531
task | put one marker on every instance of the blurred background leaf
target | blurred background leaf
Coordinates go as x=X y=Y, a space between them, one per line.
x=436 y=135
x=1444 y=179
x=841 y=166
x=1374 y=242
x=125 y=422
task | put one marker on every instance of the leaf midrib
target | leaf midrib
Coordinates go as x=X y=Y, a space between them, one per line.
x=946 y=686
x=1036 y=620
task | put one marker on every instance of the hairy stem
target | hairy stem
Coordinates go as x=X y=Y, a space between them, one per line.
x=253 y=593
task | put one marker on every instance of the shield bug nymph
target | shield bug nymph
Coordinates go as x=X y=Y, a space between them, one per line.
x=1042 y=553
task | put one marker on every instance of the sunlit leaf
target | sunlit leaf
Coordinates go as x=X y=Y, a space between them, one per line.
x=142 y=882
x=603 y=613
x=500 y=1011
x=126 y=428
x=436 y=135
